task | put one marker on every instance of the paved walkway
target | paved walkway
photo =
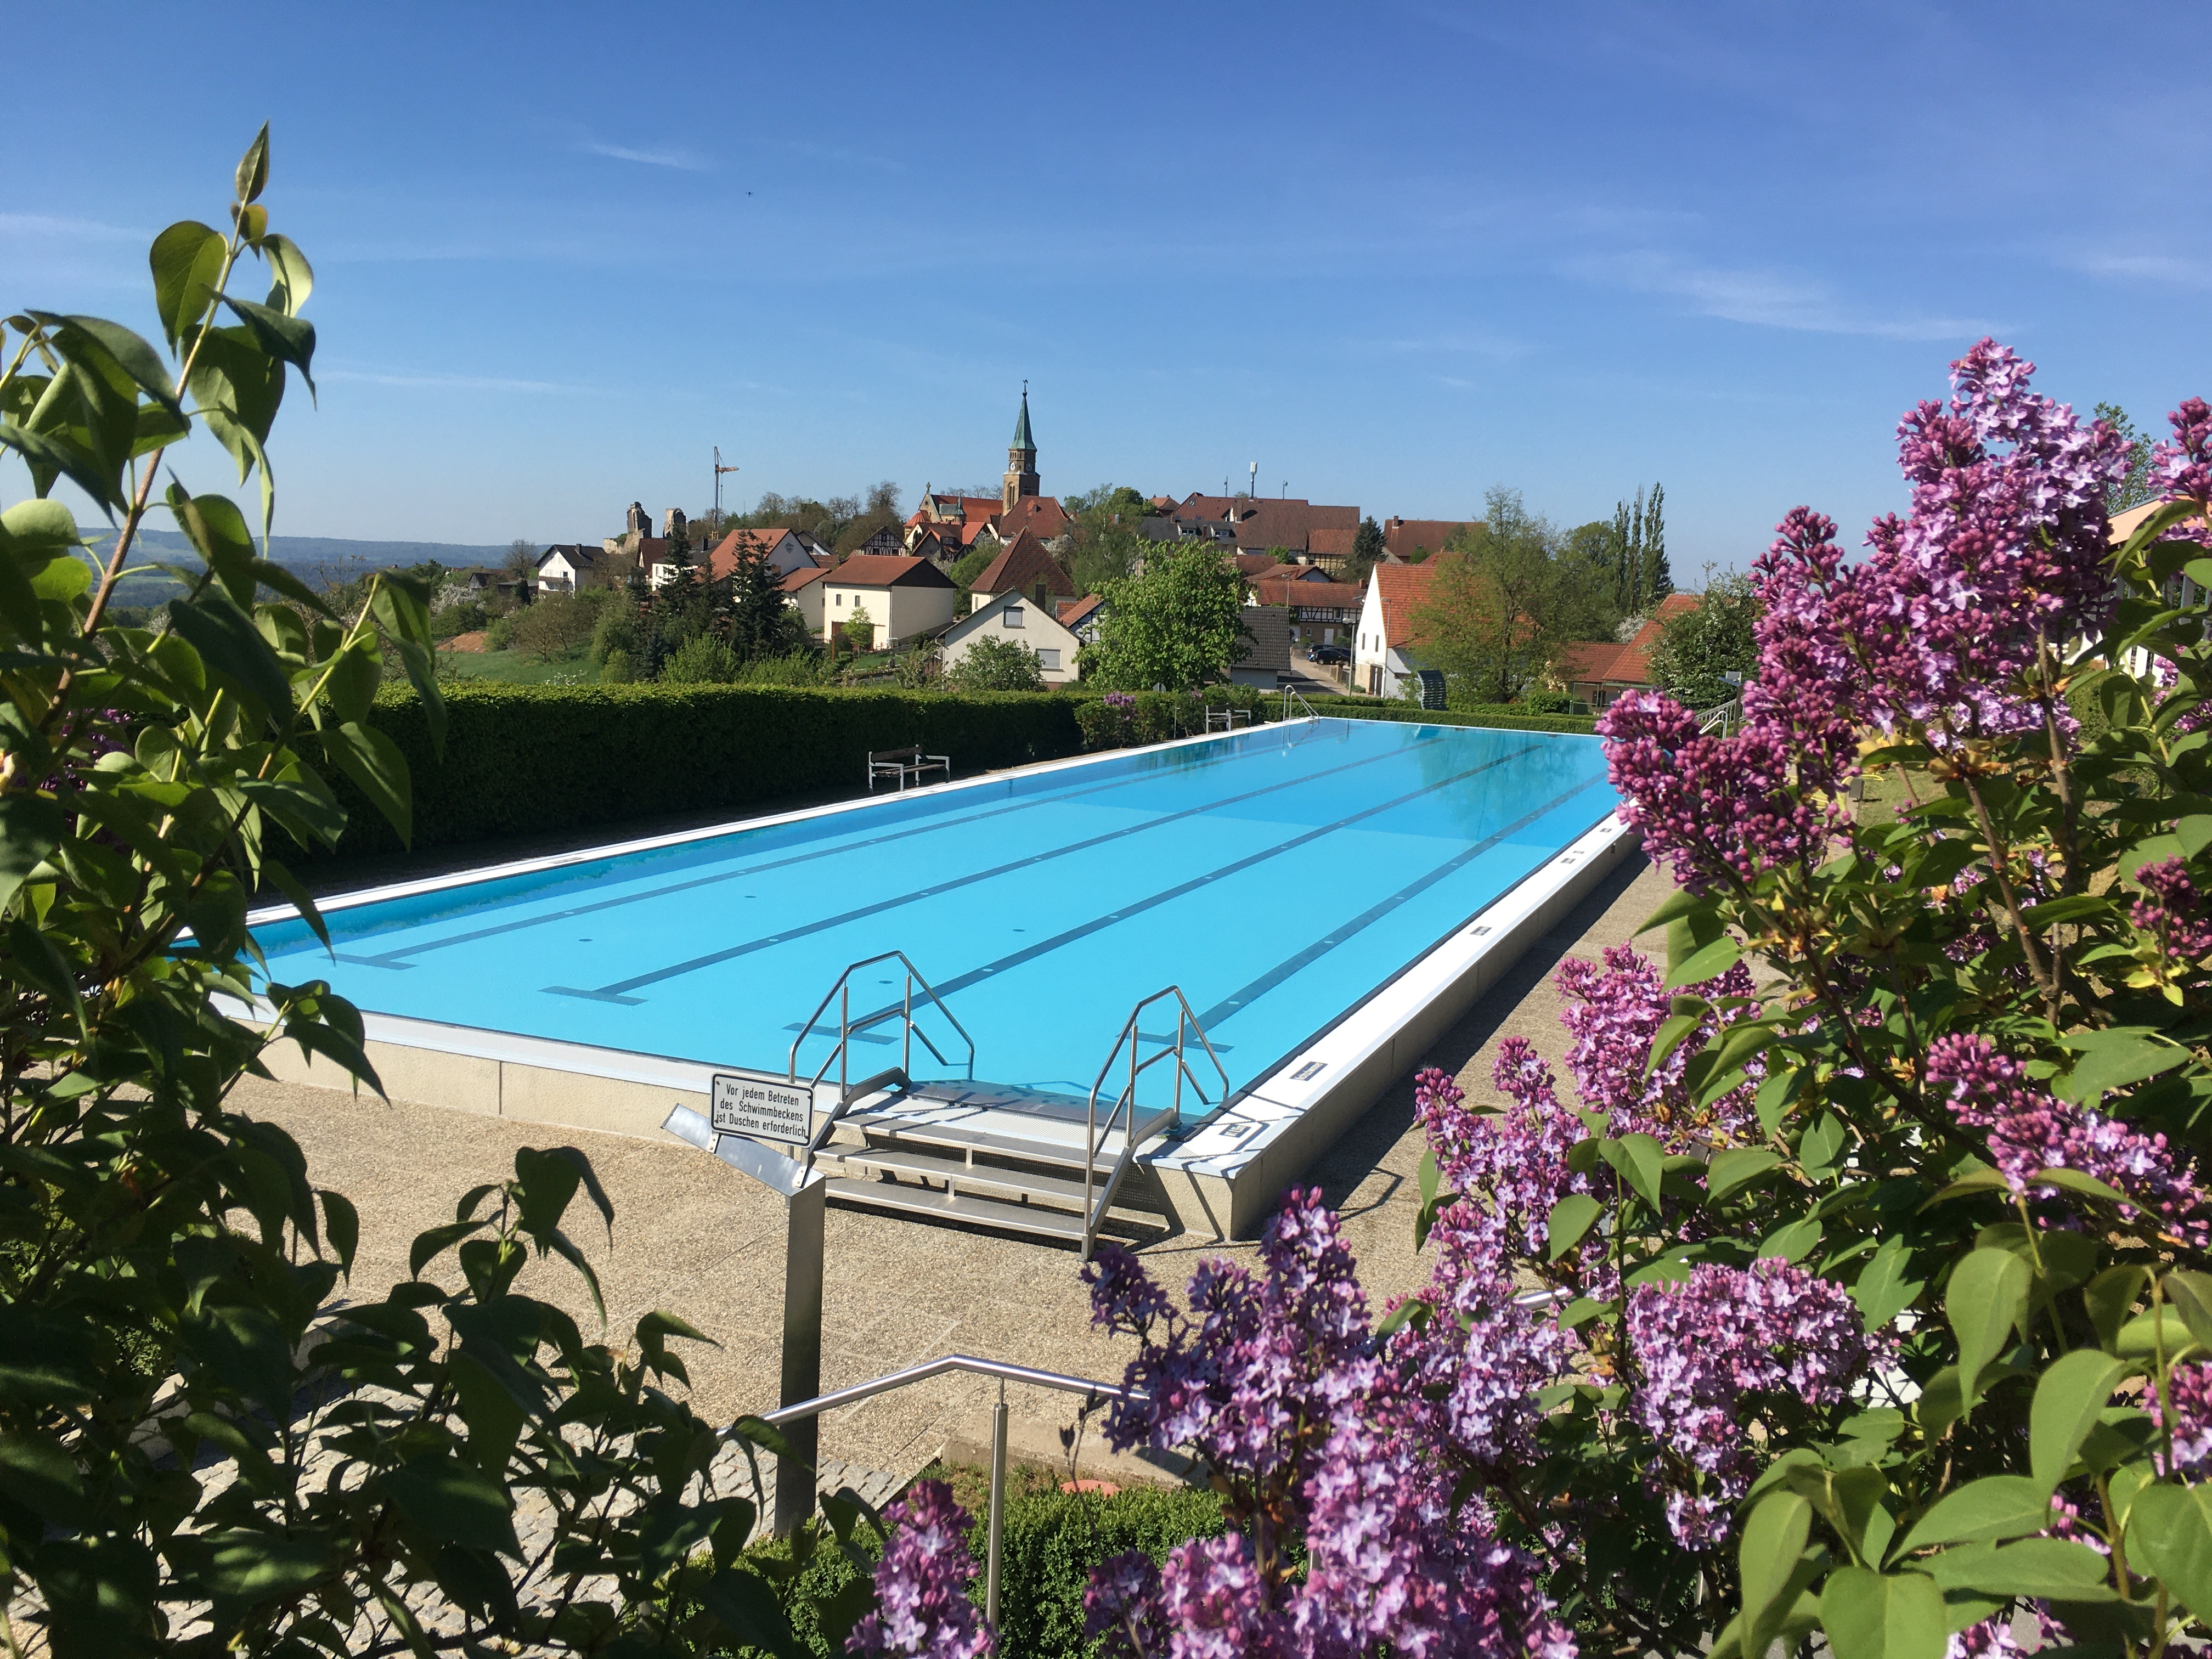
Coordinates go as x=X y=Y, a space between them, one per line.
x=698 y=1239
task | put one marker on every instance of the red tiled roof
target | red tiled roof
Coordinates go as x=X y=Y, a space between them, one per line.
x=1072 y=611
x=1331 y=541
x=799 y=578
x=1042 y=513
x=724 y=559
x=1626 y=662
x=1404 y=589
x=1022 y=565
x=1341 y=596
x=1253 y=566
x=1404 y=537
x=887 y=570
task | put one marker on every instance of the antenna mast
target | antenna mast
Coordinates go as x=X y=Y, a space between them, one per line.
x=719 y=471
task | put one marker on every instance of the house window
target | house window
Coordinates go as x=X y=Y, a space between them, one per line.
x=839 y=601
x=1048 y=658
x=1013 y=618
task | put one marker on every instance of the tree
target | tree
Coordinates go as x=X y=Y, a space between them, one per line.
x=1105 y=537
x=557 y=624
x=993 y=664
x=1369 y=549
x=880 y=511
x=208 y=1447
x=1500 y=605
x=1180 y=624
x=1641 y=578
x=2140 y=484
x=1696 y=648
x=860 y=631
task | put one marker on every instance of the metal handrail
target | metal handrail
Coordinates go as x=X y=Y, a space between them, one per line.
x=1093 y=1214
x=1724 y=716
x=1291 y=694
x=1006 y=1373
x=847 y=1092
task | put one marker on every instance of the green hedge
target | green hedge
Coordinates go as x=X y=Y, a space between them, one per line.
x=539 y=759
x=1508 y=716
x=1051 y=1542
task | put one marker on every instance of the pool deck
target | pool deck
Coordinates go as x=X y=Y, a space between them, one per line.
x=697 y=1238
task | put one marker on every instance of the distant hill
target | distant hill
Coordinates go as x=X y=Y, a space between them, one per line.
x=320 y=560
x=334 y=551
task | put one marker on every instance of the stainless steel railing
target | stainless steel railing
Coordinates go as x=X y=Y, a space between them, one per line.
x=848 y=1028
x=1290 y=695
x=1094 y=1391
x=1723 y=718
x=1126 y=1104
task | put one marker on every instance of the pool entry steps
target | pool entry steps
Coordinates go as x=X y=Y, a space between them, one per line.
x=997 y=1155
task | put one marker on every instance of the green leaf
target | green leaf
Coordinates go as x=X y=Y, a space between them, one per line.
x=63 y=577
x=1708 y=961
x=50 y=453
x=342 y=1222
x=1873 y=1615
x=1996 y=1506
x=239 y=1564
x=2190 y=1295
x=401 y=609
x=123 y=348
x=1774 y=1534
x=236 y=655
x=744 y=1605
x=1731 y=1169
x=31 y=827
x=290 y=277
x=1673 y=1032
x=43 y=1478
x=1886 y=1287
x=2067 y=1398
x=2072 y=908
x=2112 y=1059
x=2052 y=1568
x=47 y=970
x=1678 y=904
x=1986 y=1297
x=2194 y=833
x=433 y=1242
x=451 y=1503
x=288 y=339
x=373 y=761
x=1571 y=1217
x=186 y=258
x=2149 y=1334
x=2170 y=1529
x=217 y=531
x=2110 y=1297
x=254 y=168
x=1640 y=1162
x=1793 y=1243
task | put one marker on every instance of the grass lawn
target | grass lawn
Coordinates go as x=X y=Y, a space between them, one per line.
x=518 y=667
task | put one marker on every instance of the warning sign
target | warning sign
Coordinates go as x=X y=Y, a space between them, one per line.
x=762 y=1106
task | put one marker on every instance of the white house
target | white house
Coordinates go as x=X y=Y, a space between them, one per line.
x=1382 y=645
x=901 y=597
x=804 y=589
x=786 y=550
x=1015 y=616
x=570 y=567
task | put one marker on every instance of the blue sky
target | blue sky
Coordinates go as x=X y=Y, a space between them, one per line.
x=1393 y=253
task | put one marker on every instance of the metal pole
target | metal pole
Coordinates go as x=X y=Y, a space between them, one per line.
x=906 y=1012
x=998 y=1506
x=795 y=1476
x=844 y=1029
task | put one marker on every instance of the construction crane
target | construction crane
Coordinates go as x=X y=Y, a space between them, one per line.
x=719 y=471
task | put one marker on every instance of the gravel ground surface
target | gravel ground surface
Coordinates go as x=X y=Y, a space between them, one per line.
x=696 y=1238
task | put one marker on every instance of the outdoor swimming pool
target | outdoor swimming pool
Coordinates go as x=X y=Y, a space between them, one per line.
x=1281 y=876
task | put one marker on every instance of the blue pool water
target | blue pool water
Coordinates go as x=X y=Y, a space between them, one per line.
x=1279 y=875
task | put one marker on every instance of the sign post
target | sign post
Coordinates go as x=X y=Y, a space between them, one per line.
x=774 y=1108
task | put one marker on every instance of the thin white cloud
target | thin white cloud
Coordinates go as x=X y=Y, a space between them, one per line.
x=683 y=161
x=2149 y=267
x=451 y=382
x=49 y=229
x=1764 y=297
x=1472 y=342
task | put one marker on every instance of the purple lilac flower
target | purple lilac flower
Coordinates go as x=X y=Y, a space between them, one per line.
x=2190 y=1388
x=1516 y=1159
x=1992 y=1639
x=1216 y=1602
x=2183 y=465
x=1614 y=1015
x=1121 y=1607
x=2172 y=909
x=2031 y=1129
x=921 y=1599
x=1704 y=1344
x=1390 y=1561
x=1256 y=1378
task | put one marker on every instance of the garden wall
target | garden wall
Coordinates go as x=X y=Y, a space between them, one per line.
x=542 y=759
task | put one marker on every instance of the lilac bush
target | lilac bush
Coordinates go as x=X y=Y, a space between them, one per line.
x=1853 y=1286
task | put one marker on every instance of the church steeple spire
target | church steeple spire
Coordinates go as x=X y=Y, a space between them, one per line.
x=1021 y=481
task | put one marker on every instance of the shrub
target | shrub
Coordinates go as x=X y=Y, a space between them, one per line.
x=1546 y=702
x=553 y=625
x=615 y=668
x=1510 y=716
x=993 y=664
x=500 y=635
x=617 y=628
x=701 y=660
x=1051 y=1542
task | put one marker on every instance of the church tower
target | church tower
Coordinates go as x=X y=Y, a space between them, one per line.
x=1021 y=459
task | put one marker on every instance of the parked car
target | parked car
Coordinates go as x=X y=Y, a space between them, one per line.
x=1328 y=653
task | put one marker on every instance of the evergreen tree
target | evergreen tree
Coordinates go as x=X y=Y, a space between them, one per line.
x=754 y=601
x=1640 y=575
x=1655 y=581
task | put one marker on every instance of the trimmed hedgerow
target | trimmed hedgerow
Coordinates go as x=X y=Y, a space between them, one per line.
x=539 y=759
x=1512 y=716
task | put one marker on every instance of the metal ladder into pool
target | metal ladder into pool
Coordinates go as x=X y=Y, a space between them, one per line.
x=989 y=1154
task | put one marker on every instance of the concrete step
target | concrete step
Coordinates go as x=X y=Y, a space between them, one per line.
x=1001 y=1133
x=957 y=1173
x=905 y=1199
